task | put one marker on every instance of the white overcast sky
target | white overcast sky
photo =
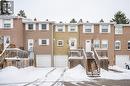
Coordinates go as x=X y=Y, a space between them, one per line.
x=65 y=10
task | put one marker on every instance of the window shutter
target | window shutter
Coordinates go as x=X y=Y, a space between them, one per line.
x=84 y=28
x=47 y=26
x=34 y=26
x=68 y=28
x=64 y=28
x=76 y=28
x=40 y=42
x=1 y=23
x=47 y=41
x=56 y=28
x=26 y=26
x=40 y=26
x=100 y=27
x=11 y=21
x=92 y=28
x=109 y=28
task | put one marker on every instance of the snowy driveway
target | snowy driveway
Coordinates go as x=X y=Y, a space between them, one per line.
x=31 y=76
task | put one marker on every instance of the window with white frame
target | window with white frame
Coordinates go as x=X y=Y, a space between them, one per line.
x=30 y=26
x=96 y=43
x=128 y=45
x=104 y=44
x=117 y=45
x=118 y=30
x=60 y=28
x=43 y=26
x=104 y=28
x=72 y=28
x=43 y=41
x=60 y=42
x=7 y=23
x=88 y=29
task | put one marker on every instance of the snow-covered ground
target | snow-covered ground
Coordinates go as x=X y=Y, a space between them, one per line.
x=48 y=76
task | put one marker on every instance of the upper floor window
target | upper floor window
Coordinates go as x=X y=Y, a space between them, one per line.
x=128 y=45
x=96 y=43
x=72 y=28
x=104 y=44
x=88 y=29
x=117 y=45
x=118 y=30
x=43 y=41
x=43 y=27
x=60 y=43
x=60 y=28
x=104 y=28
x=7 y=23
x=30 y=26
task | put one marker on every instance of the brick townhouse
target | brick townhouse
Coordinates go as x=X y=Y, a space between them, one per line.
x=51 y=41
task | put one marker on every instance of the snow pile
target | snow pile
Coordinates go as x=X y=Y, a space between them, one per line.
x=14 y=75
x=118 y=68
x=10 y=75
x=124 y=74
x=77 y=73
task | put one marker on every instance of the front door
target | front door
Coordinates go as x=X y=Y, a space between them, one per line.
x=6 y=41
x=30 y=44
x=88 y=45
x=73 y=43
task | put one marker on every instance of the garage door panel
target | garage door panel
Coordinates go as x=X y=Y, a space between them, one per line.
x=60 y=61
x=121 y=60
x=43 y=60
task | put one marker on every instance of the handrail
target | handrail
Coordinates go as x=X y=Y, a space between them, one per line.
x=4 y=51
x=97 y=59
x=85 y=61
x=2 y=54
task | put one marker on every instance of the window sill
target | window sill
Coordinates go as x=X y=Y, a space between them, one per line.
x=43 y=29
x=43 y=45
x=117 y=49
x=104 y=49
x=104 y=32
x=59 y=45
x=119 y=34
x=30 y=30
x=73 y=31
x=88 y=32
x=59 y=31
x=5 y=28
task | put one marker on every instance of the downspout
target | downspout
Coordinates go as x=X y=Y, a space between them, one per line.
x=52 y=49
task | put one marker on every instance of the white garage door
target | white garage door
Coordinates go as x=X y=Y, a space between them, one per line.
x=121 y=60
x=60 y=61
x=43 y=60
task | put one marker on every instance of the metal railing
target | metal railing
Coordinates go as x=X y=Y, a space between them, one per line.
x=3 y=55
x=102 y=53
x=97 y=60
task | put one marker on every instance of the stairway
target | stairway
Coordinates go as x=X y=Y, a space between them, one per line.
x=92 y=63
x=86 y=59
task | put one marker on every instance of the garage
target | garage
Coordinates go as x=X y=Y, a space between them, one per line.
x=121 y=60
x=43 y=60
x=60 y=61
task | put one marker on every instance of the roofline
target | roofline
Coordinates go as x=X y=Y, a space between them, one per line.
x=123 y=24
